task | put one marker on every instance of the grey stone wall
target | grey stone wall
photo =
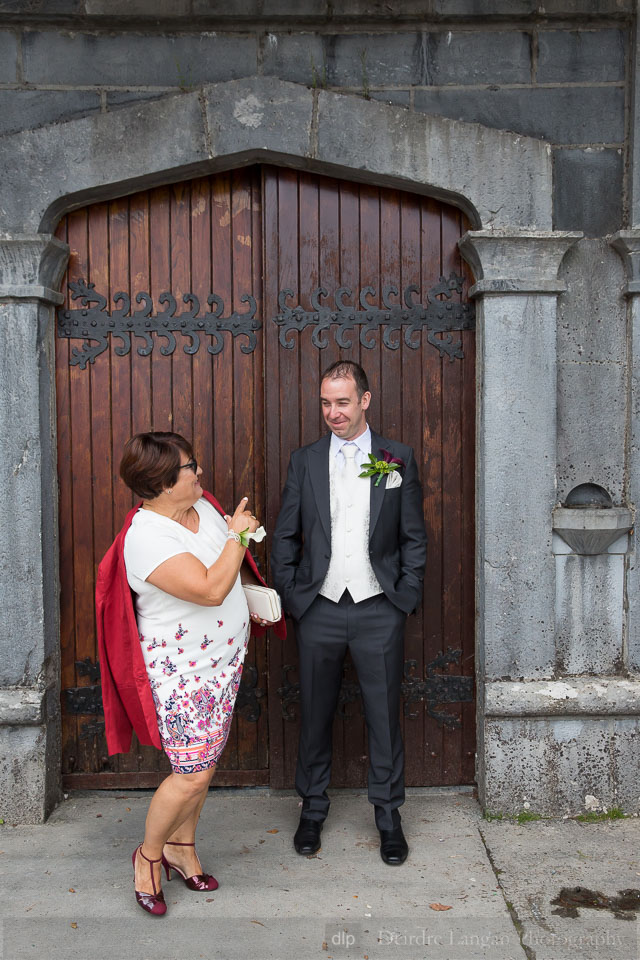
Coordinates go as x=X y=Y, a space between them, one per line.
x=563 y=76
x=552 y=622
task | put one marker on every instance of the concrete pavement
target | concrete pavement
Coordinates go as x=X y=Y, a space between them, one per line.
x=66 y=890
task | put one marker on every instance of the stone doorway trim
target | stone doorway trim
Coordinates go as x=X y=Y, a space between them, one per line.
x=502 y=181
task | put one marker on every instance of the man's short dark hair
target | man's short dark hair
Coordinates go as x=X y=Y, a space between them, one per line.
x=343 y=369
x=151 y=462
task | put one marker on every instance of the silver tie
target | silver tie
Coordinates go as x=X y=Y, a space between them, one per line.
x=351 y=468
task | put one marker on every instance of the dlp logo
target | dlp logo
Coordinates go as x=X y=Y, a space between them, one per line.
x=341 y=939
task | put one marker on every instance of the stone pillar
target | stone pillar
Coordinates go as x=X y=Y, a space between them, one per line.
x=31 y=269
x=627 y=243
x=516 y=293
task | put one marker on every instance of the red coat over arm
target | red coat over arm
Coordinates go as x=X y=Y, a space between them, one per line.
x=126 y=693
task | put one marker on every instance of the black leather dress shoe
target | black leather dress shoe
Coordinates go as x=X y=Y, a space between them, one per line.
x=393 y=847
x=307 y=837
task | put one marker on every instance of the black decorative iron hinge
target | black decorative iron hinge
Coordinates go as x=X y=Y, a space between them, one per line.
x=83 y=699
x=249 y=693
x=436 y=317
x=435 y=690
x=96 y=323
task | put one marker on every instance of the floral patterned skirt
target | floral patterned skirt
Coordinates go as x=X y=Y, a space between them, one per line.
x=195 y=693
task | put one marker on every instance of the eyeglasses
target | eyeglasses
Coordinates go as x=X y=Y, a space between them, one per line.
x=192 y=465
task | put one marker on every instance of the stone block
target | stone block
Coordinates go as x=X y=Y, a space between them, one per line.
x=589 y=614
x=138 y=8
x=587 y=190
x=572 y=56
x=591 y=427
x=470 y=57
x=25 y=109
x=237 y=110
x=560 y=114
x=626 y=763
x=119 y=59
x=515 y=458
x=22 y=651
x=284 y=8
x=592 y=314
x=554 y=764
x=399 y=98
x=445 y=9
x=357 y=61
x=34 y=9
x=454 y=158
x=83 y=155
x=299 y=57
x=28 y=791
x=119 y=98
x=8 y=56
x=362 y=60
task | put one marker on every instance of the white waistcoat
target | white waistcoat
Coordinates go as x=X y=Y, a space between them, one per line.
x=350 y=566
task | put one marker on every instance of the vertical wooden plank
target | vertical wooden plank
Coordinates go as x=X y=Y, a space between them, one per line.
x=330 y=266
x=223 y=406
x=467 y=774
x=180 y=241
x=309 y=281
x=118 y=265
x=160 y=274
x=412 y=434
x=141 y=416
x=243 y=738
x=259 y=649
x=279 y=651
x=432 y=486
x=73 y=231
x=140 y=366
x=82 y=503
x=370 y=244
x=224 y=424
x=452 y=499
x=102 y=470
x=203 y=409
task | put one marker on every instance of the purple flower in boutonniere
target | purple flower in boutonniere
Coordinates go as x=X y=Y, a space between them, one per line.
x=383 y=467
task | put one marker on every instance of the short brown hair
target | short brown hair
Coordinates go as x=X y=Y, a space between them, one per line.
x=343 y=369
x=151 y=462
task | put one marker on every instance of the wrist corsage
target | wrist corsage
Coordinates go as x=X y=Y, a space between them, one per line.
x=244 y=537
x=383 y=468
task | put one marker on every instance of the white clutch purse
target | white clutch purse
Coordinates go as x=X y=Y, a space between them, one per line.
x=263 y=601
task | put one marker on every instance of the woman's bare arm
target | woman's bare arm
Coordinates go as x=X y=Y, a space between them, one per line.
x=186 y=577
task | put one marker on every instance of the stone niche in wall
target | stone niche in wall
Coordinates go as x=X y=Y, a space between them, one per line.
x=590 y=538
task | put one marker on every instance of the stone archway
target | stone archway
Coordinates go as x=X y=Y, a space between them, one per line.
x=501 y=181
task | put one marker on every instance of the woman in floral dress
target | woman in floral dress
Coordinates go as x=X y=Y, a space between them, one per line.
x=183 y=563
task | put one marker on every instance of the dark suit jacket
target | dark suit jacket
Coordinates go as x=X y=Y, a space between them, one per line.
x=302 y=540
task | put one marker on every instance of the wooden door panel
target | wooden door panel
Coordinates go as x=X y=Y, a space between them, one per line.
x=197 y=238
x=320 y=232
x=260 y=231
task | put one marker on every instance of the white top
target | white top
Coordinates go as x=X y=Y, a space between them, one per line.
x=150 y=540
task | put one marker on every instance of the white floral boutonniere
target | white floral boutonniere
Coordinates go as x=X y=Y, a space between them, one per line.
x=386 y=467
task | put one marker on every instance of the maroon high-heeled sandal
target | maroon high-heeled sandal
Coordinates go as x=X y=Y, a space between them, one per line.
x=152 y=903
x=201 y=881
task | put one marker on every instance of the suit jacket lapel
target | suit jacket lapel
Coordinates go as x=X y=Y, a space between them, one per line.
x=377 y=492
x=319 y=476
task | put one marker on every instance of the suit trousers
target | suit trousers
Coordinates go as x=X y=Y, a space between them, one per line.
x=373 y=631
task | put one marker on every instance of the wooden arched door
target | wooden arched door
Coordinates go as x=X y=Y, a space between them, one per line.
x=233 y=362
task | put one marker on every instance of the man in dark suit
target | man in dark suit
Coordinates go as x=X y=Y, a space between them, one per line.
x=348 y=560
